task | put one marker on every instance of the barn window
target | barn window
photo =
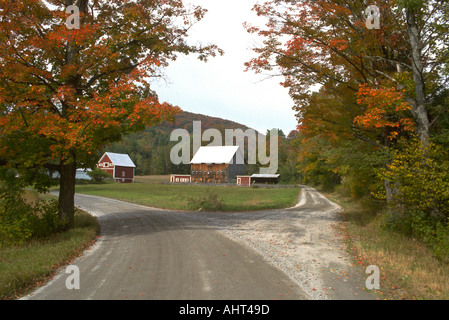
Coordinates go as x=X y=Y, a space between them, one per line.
x=106 y=164
x=123 y=174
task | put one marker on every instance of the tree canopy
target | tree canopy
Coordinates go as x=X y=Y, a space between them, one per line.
x=367 y=100
x=65 y=92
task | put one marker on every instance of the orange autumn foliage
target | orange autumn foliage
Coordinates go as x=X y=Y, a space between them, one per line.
x=66 y=93
x=384 y=108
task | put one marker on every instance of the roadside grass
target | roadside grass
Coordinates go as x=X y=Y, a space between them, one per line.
x=408 y=268
x=25 y=267
x=152 y=192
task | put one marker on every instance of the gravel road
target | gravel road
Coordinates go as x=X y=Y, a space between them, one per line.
x=148 y=253
x=303 y=242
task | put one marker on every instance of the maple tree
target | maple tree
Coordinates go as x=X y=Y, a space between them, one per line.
x=65 y=93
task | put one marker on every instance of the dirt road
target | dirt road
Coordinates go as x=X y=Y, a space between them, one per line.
x=147 y=253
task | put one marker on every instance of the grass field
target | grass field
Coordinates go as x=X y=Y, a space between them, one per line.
x=151 y=191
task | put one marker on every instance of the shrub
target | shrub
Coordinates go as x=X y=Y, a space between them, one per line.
x=99 y=175
x=15 y=223
x=209 y=201
x=420 y=175
x=22 y=221
x=46 y=220
x=420 y=201
x=19 y=220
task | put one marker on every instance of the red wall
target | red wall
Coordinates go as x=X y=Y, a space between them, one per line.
x=244 y=181
x=129 y=172
x=105 y=159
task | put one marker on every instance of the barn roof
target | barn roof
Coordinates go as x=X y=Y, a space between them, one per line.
x=119 y=159
x=217 y=154
x=261 y=175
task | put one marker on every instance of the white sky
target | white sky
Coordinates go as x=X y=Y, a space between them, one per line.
x=220 y=87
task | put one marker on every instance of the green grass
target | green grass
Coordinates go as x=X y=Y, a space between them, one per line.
x=24 y=267
x=408 y=268
x=151 y=192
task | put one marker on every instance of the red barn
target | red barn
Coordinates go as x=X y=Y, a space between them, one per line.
x=120 y=166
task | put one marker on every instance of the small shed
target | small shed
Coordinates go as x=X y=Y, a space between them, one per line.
x=119 y=165
x=265 y=178
x=217 y=164
x=244 y=181
x=180 y=178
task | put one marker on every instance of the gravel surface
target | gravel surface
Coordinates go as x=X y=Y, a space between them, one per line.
x=302 y=241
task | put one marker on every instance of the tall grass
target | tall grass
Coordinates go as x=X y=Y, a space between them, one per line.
x=409 y=268
x=26 y=266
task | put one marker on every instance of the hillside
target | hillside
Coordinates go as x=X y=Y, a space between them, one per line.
x=150 y=149
x=185 y=121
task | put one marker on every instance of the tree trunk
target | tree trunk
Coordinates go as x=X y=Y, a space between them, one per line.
x=67 y=171
x=390 y=192
x=419 y=108
x=66 y=211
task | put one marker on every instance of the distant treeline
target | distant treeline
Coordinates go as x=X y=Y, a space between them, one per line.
x=150 y=149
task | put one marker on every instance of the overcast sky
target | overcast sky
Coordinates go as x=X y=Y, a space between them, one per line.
x=220 y=87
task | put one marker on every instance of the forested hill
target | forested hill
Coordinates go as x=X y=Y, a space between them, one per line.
x=185 y=120
x=150 y=149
